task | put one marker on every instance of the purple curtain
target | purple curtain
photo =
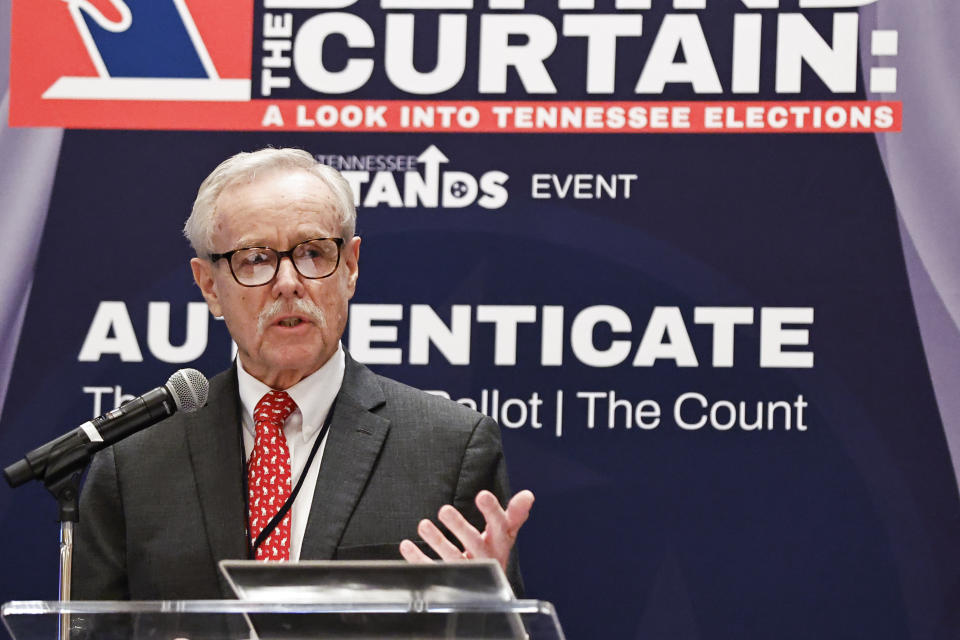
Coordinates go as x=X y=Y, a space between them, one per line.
x=923 y=164
x=28 y=162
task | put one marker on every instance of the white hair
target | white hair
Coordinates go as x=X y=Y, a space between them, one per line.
x=244 y=167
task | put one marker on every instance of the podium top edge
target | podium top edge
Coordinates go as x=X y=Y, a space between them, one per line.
x=54 y=607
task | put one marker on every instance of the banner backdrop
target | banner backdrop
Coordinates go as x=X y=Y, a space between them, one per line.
x=656 y=241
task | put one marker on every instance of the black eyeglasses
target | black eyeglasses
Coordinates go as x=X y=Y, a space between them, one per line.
x=257 y=266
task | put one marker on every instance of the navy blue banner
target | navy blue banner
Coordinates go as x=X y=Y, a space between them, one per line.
x=703 y=350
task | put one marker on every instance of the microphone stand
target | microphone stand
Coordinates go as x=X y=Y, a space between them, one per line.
x=66 y=490
x=62 y=479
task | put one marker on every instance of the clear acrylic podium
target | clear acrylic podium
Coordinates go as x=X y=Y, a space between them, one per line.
x=297 y=601
x=240 y=620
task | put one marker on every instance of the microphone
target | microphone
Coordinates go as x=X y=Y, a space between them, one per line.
x=186 y=390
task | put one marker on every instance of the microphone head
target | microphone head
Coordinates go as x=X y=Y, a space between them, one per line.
x=189 y=389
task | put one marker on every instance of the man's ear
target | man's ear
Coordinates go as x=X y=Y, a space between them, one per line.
x=352 y=259
x=203 y=276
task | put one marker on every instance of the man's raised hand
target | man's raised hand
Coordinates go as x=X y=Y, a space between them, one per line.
x=497 y=539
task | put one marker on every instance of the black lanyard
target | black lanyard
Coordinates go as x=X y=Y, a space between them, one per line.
x=279 y=515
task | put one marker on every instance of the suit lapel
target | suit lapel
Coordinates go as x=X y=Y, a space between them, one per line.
x=353 y=443
x=213 y=440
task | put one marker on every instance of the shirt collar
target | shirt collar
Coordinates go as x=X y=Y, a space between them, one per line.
x=314 y=394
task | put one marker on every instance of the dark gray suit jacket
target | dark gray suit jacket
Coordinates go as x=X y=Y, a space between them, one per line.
x=161 y=508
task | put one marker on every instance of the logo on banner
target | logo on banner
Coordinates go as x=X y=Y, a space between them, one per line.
x=147 y=50
x=423 y=180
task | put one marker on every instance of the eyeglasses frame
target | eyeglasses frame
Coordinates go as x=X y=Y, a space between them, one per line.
x=215 y=257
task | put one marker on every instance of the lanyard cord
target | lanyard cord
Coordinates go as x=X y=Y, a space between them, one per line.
x=279 y=515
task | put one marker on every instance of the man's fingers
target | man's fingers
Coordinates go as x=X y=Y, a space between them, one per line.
x=465 y=532
x=498 y=536
x=438 y=542
x=492 y=512
x=412 y=553
x=518 y=510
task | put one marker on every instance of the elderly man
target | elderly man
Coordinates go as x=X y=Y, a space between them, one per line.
x=301 y=452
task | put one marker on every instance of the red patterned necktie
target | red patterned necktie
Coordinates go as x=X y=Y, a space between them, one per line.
x=268 y=474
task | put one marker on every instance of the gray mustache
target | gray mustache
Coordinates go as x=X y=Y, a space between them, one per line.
x=301 y=306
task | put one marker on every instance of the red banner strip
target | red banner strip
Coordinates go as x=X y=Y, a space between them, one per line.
x=863 y=116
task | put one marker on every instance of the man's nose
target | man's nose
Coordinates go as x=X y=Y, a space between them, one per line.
x=288 y=280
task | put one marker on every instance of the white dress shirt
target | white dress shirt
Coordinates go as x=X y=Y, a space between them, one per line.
x=314 y=396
